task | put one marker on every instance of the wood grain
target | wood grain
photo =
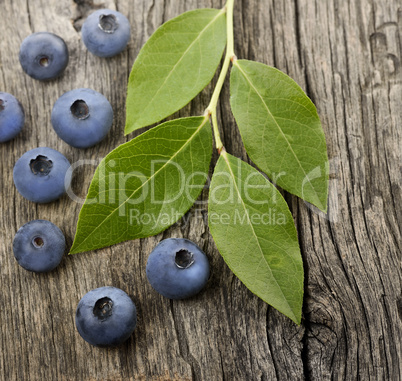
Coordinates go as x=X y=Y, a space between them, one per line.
x=347 y=56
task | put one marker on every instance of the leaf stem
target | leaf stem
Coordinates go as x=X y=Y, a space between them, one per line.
x=229 y=56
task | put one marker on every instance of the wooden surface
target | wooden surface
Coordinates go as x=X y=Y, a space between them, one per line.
x=347 y=56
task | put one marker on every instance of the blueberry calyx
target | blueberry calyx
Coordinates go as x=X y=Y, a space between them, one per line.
x=2 y=107
x=108 y=23
x=79 y=109
x=41 y=165
x=44 y=61
x=38 y=242
x=184 y=259
x=103 y=308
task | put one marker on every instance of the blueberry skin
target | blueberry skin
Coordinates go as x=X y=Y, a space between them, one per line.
x=39 y=246
x=106 y=316
x=106 y=32
x=42 y=175
x=43 y=55
x=82 y=117
x=176 y=281
x=12 y=117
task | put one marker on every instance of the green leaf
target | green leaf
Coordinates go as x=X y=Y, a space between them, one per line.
x=255 y=233
x=144 y=186
x=281 y=130
x=175 y=64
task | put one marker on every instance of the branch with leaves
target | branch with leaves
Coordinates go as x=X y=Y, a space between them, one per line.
x=162 y=172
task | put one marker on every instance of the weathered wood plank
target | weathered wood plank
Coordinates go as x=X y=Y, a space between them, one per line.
x=347 y=56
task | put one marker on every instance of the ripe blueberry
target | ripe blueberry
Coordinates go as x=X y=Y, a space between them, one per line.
x=43 y=55
x=106 y=33
x=42 y=175
x=39 y=246
x=106 y=316
x=177 y=268
x=82 y=117
x=12 y=117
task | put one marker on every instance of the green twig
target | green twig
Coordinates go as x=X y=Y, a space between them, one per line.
x=229 y=56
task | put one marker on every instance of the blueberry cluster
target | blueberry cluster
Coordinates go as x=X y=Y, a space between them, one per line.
x=177 y=268
x=81 y=117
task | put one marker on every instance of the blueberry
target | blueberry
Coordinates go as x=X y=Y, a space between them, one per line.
x=82 y=117
x=43 y=55
x=39 y=246
x=106 y=316
x=42 y=175
x=106 y=33
x=12 y=117
x=177 y=268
